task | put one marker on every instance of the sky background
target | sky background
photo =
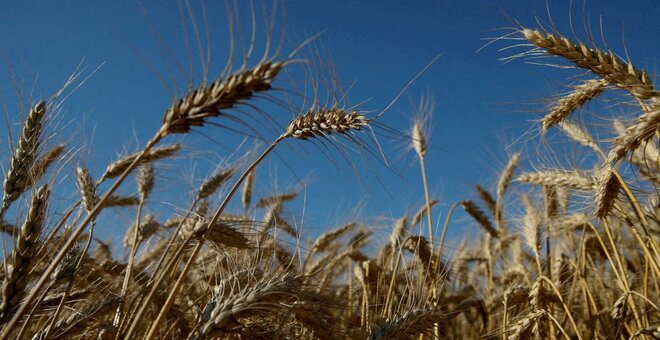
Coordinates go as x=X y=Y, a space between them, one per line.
x=485 y=107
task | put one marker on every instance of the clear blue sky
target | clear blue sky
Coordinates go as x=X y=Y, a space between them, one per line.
x=483 y=104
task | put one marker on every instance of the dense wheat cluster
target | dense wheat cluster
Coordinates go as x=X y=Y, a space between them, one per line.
x=582 y=260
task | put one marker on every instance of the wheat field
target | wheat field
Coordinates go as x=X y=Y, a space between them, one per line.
x=561 y=253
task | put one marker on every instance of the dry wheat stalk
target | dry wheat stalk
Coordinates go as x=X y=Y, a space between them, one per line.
x=21 y=261
x=581 y=94
x=604 y=64
x=18 y=178
x=223 y=94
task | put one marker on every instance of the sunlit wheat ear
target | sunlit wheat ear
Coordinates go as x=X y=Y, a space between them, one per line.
x=419 y=139
x=607 y=189
x=211 y=185
x=580 y=135
x=246 y=193
x=42 y=165
x=20 y=262
x=148 y=227
x=223 y=94
x=564 y=179
x=408 y=325
x=118 y=167
x=145 y=180
x=18 y=176
x=324 y=241
x=525 y=326
x=317 y=123
x=581 y=94
x=87 y=188
x=263 y=295
x=642 y=131
x=604 y=64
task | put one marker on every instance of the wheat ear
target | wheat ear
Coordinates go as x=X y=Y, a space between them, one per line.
x=17 y=178
x=479 y=216
x=224 y=94
x=502 y=186
x=259 y=295
x=118 y=167
x=20 y=261
x=604 y=64
x=581 y=94
x=563 y=179
x=642 y=131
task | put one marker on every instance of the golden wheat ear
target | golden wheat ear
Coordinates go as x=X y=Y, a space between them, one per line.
x=18 y=178
x=222 y=95
x=603 y=64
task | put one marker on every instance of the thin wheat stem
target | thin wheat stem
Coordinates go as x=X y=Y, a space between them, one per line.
x=159 y=275
x=427 y=198
x=129 y=267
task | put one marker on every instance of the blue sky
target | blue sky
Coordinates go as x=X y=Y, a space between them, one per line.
x=483 y=104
